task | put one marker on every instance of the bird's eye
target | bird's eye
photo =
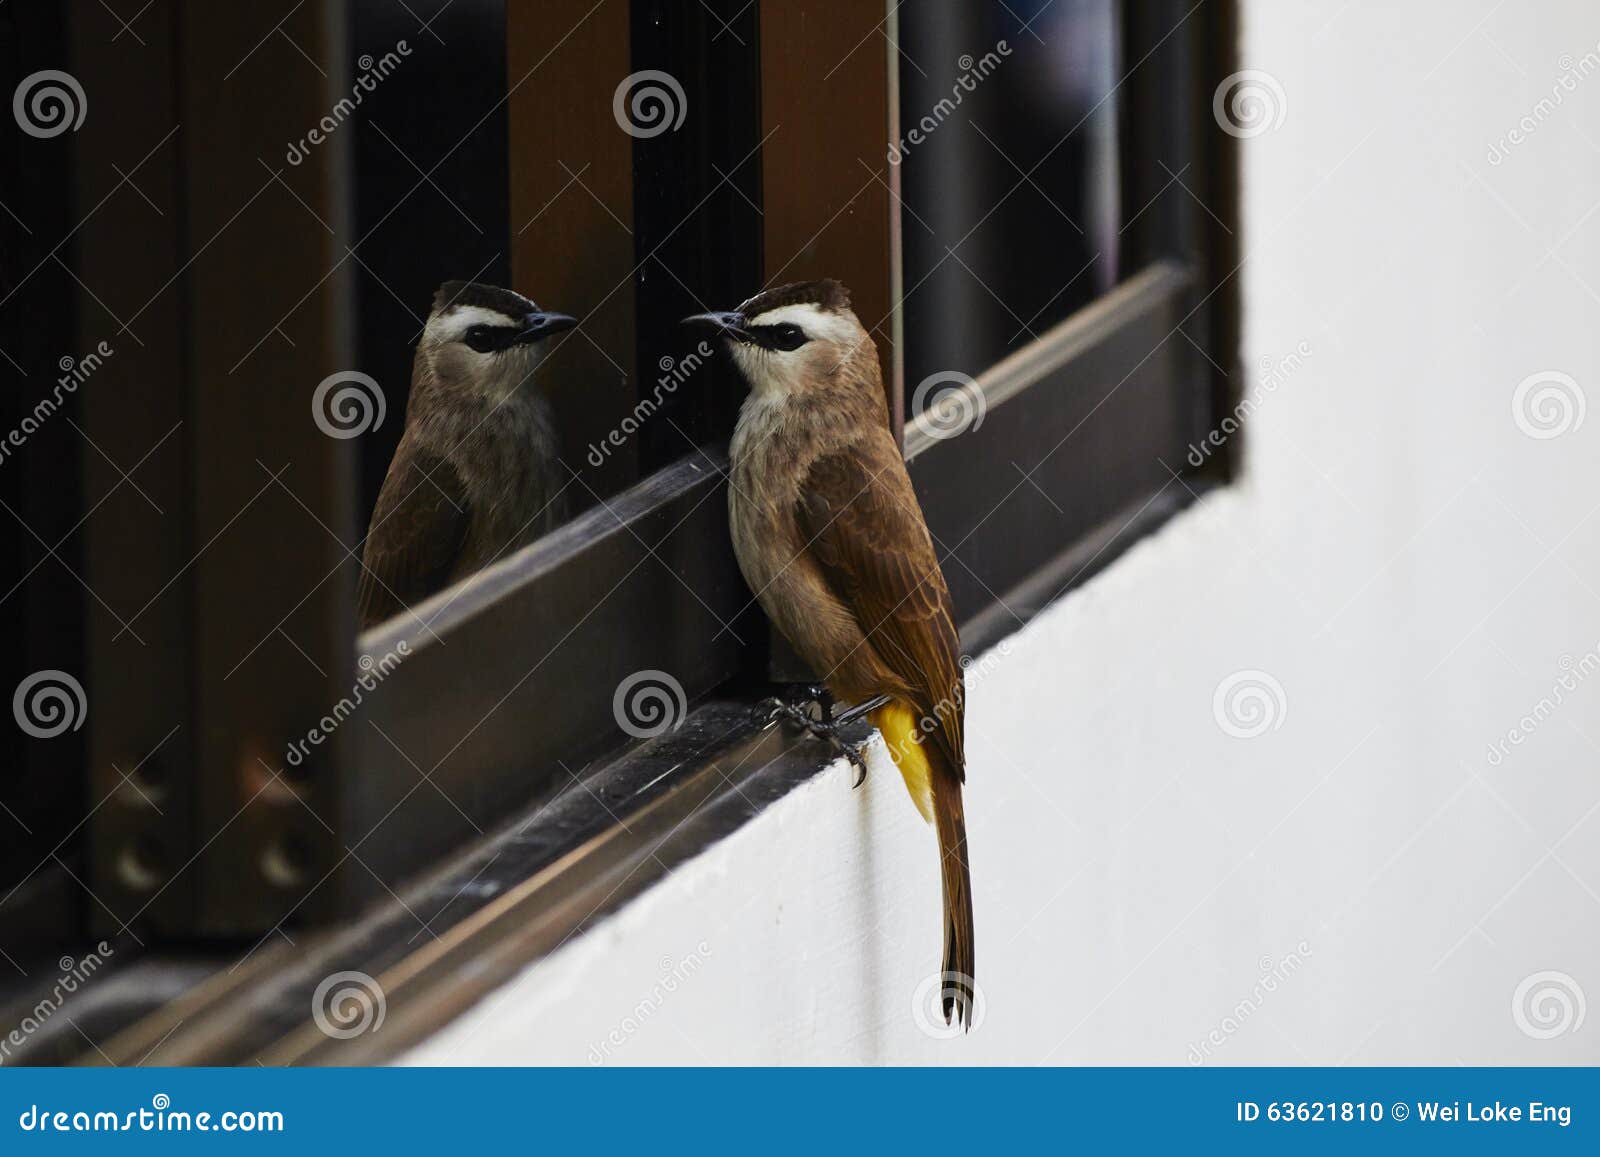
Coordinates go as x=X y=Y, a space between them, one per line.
x=788 y=337
x=481 y=338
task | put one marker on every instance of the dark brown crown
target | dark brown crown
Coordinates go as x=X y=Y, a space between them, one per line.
x=485 y=296
x=827 y=294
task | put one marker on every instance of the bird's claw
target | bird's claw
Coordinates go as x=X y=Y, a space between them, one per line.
x=772 y=709
x=768 y=710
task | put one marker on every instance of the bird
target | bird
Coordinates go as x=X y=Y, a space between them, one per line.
x=832 y=541
x=476 y=474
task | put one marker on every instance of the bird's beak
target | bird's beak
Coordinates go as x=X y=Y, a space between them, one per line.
x=540 y=325
x=729 y=325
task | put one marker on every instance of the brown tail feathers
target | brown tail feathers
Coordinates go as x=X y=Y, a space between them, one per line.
x=957 y=985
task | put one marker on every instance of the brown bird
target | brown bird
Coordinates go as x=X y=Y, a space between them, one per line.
x=476 y=475
x=831 y=539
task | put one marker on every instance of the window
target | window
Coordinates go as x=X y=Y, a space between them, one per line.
x=1061 y=248
x=1044 y=259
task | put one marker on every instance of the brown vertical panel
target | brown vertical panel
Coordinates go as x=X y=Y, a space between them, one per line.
x=827 y=121
x=825 y=177
x=233 y=604
x=571 y=193
x=273 y=591
x=131 y=242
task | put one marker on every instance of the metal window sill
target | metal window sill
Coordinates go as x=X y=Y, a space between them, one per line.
x=439 y=944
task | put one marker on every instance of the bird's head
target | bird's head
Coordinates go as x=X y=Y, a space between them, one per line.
x=486 y=339
x=797 y=339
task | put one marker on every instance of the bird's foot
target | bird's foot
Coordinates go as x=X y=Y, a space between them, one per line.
x=826 y=729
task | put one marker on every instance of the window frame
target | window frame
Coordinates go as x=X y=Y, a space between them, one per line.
x=507 y=690
x=1159 y=324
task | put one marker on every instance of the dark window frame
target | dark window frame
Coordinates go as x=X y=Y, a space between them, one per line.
x=670 y=596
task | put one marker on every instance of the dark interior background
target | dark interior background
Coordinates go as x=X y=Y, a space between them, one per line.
x=697 y=238
x=41 y=604
x=455 y=75
x=1056 y=242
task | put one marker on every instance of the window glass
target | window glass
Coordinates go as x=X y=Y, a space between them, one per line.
x=1009 y=168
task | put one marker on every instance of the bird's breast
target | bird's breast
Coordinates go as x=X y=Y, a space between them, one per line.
x=507 y=458
x=771 y=456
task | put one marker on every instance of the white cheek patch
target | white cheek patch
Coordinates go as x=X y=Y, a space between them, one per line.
x=748 y=359
x=772 y=371
x=457 y=363
x=494 y=375
x=785 y=371
x=453 y=325
x=817 y=323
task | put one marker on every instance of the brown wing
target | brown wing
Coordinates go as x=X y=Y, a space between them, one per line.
x=866 y=531
x=416 y=536
x=868 y=536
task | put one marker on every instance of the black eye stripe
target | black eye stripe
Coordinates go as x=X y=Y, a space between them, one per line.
x=486 y=338
x=780 y=336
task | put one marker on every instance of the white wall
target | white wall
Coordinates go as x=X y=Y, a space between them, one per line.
x=1412 y=568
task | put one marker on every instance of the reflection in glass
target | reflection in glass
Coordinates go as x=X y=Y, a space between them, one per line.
x=566 y=189
x=477 y=474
